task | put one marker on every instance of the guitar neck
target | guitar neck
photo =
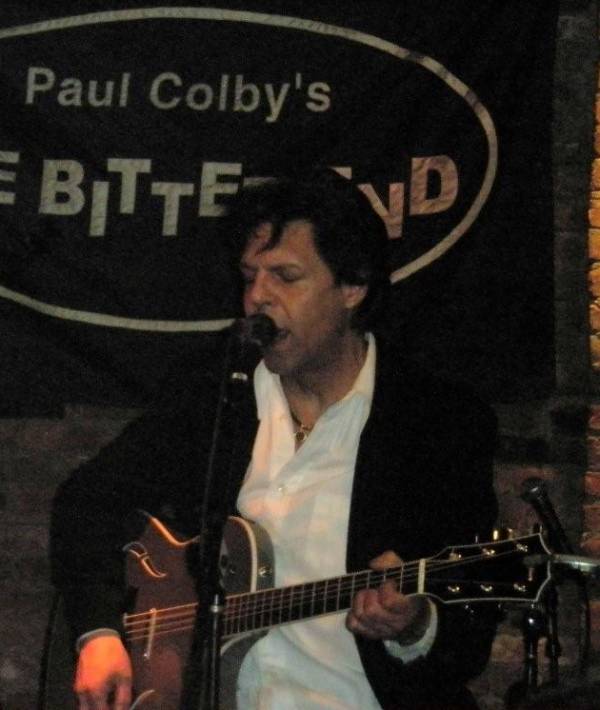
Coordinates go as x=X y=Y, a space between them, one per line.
x=272 y=607
x=492 y=572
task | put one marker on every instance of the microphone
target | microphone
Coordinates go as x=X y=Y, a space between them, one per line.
x=534 y=492
x=246 y=336
x=587 y=566
x=258 y=330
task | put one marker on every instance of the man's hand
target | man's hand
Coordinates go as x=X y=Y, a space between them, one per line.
x=385 y=613
x=103 y=676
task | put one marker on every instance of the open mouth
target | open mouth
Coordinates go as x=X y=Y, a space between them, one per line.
x=281 y=335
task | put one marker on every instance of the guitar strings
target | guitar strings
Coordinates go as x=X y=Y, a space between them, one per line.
x=253 y=607
x=325 y=589
x=330 y=587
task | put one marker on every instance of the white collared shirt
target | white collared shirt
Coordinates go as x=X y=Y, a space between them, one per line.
x=302 y=499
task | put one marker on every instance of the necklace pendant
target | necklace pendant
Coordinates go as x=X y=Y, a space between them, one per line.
x=301 y=434
x=301 y=431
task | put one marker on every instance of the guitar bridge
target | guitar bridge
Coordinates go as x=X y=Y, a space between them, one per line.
x=151 y=631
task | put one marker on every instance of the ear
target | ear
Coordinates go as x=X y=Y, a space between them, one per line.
x=354 y=294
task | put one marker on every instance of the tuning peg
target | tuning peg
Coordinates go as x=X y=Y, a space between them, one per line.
x=503 y=534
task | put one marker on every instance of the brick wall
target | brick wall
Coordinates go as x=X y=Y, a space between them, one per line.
x=552 y=439
x=546 y=439
x=35 y=455
x=591 y=505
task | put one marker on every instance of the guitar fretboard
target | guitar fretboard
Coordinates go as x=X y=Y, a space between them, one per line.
x=273 y=607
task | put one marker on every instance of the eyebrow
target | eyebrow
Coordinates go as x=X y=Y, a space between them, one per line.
x=244 y=266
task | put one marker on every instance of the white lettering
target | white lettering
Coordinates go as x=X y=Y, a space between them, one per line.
x=172 y=193
x=71 y=92
x=52 y=187
x=124 y=92
x=242 y=92
x=206 y=97
x=423 y=169
x=393 y=215
x=106 y=99
x=275 y=103
x=129 y=168
x=63 y=191
x=99 y=208
x=38 y=79
x=254 y=181
x=318 y=92
x=210 y=187
x=103 y=93
x=11 y=158
x=345 y=171
x=223 y=92
x=156 y=87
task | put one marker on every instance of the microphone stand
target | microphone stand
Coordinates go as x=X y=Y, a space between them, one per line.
x=535 y=493
x=553 y=647
x=534 y=626
x=538 y=623
x=201 y=676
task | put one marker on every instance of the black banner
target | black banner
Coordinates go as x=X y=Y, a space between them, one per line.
x=126 y=128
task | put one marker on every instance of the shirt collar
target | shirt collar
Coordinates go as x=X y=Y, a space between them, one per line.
x=268 y=385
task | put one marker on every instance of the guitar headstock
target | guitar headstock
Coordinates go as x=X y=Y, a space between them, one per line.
x=492 y=571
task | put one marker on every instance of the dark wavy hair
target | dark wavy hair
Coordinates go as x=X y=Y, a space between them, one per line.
x=349 y=235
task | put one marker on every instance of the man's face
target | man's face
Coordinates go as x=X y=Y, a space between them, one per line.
x=292 y=285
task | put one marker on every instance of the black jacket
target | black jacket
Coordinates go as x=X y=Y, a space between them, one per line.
x=423 y=481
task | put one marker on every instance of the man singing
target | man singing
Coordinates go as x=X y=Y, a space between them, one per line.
x=354 y=458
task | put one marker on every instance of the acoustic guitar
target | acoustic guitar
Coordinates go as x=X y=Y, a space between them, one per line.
x=159 y=627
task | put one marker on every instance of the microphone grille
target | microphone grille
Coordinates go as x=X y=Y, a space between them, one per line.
x=533 y=488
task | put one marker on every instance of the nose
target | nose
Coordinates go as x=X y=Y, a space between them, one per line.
x=258 y=294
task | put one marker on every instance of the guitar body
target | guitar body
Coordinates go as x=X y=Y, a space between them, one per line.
x=157 y=569
x=157 y=574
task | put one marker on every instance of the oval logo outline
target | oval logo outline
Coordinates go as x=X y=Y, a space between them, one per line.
x=285 y=22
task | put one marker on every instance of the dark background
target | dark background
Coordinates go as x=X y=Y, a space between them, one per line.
x=479 y=313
